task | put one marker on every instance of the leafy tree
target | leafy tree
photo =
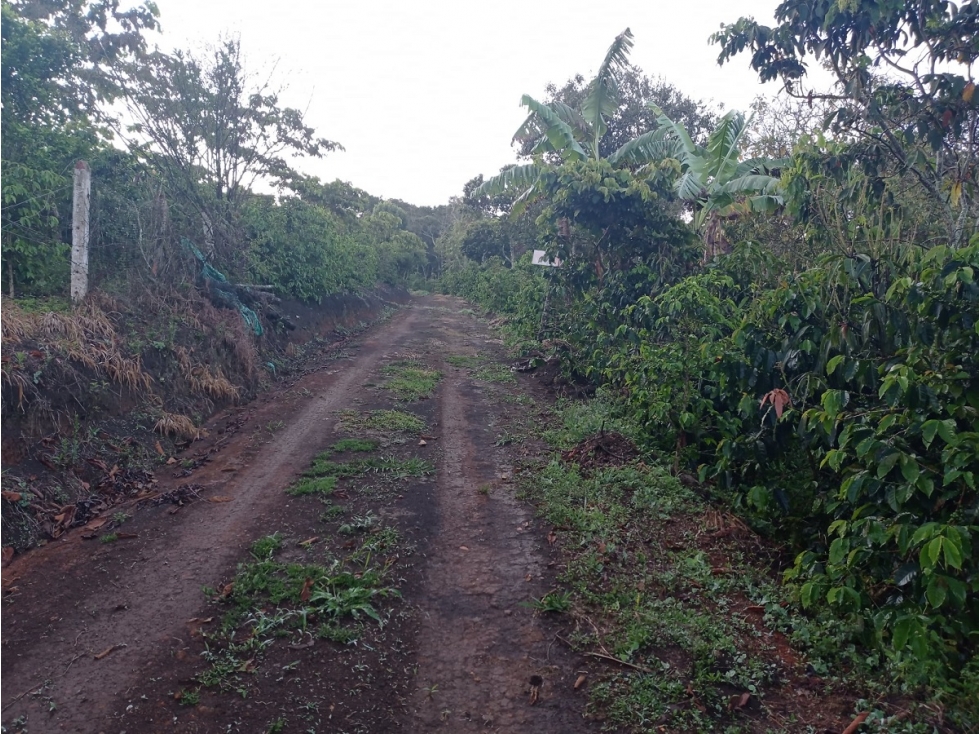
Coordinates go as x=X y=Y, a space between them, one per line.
x=303 y=250
x=102 y=35
x=214 y=131
x=400 y=252
x=46 y=128
x=904 y=95
x=343 y=199
x=485 y=238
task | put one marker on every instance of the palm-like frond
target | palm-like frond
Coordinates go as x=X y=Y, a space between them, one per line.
x=558 y=132
x=602 y=97
x=653 y=145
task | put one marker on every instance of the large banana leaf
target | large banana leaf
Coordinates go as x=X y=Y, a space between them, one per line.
x=753 y=183
x=724 y=146
x=602 y=96
x=571 y=116
x=516 y=177
x=688 y=147
x=653 y=145
x=558 y=132
x=765 y=203
x=690 y=187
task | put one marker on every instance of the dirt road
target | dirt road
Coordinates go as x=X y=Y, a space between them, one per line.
x=113 y=636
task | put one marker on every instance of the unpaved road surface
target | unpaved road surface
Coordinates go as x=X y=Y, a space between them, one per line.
x=104 y=637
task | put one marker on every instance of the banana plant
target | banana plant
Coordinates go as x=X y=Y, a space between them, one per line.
x=562 y=134
x=716 y=182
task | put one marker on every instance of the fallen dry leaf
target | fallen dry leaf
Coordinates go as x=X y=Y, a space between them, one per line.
x=247 y=667
x=423 y=442
x=580 y=682
x=463 y=548
x=159 y=448
x=306 y=590
x=11 y=496
x=227 y=589
x=551 y=538
x=108 y=651
x=739 y=702
x=171 y=461
x=96 y=523
x=309 y=541
x=219 y=498
x=855 y=724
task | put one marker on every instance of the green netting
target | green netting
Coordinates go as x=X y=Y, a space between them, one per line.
x=220 y=286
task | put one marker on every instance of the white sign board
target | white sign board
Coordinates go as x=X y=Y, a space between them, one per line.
x=541 y=258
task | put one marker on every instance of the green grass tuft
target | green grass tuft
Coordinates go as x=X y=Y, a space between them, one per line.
x=462 y=360
x=495 y=373
x=394 y=420
x=323 y=485
x=353 y=445
x=410 y=380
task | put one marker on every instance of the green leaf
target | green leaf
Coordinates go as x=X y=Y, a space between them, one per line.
x=946 y=429
x=952 y=551
x=936 y=591
x=909 y=468
x=930 y=553
x=887 y=463
x=807 y=594
x=902 y=630
x=838 y=550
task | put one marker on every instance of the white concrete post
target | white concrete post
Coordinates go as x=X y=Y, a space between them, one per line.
x=79 y=232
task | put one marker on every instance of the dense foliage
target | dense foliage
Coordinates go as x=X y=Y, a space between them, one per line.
x=202 y=134
x=817 y=368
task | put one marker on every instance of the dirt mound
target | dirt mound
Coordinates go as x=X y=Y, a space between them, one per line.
x=602 y=449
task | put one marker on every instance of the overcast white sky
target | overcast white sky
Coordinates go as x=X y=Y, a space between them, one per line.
x=425 y=94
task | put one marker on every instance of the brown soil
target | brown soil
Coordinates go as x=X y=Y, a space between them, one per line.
x=98 y=637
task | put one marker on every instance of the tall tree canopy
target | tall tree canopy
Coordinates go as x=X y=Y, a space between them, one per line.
x=904 y=89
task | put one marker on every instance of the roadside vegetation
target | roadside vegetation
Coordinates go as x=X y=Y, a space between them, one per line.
x=782 y=311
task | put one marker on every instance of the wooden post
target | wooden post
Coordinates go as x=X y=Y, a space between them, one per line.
x=79 y=232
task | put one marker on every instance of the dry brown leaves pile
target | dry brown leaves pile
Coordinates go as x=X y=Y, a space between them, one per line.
x=602 y=449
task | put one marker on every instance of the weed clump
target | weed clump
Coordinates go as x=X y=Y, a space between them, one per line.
x=462 y=360
x=394 y=420
x=410 y=380
x=354 y=445
x=495 y=373
x=313 y=485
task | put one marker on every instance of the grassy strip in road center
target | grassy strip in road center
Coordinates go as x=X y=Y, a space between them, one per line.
x=270 y=598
